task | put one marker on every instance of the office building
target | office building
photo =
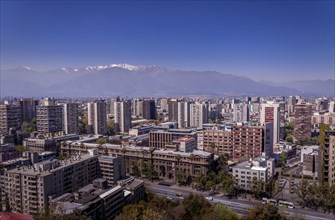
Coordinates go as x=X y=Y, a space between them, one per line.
x=97 y=117
x=270 y=114
x=160 y=138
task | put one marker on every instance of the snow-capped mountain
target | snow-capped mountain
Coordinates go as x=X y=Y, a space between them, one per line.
x=124 y=66
x=129 y=80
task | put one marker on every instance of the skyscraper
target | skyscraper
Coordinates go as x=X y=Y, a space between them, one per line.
x=270 y=114
x=97 y=117
x=71 y=125
x=122 y=115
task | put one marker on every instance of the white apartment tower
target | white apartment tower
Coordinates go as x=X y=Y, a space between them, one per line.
x=241 y=112
x=122 y=115
x=183 y=114
x=97 y=117
x=198 y=115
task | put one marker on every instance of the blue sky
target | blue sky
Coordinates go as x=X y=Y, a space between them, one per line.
x=264 y=40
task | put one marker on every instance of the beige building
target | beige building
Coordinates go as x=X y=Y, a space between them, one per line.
x=329 y=158
x=49 y=119
x=166 y=163
x=10 y=117
x=239 y=142
x=29 y=188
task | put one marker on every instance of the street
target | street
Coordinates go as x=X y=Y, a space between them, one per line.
x=239 y=206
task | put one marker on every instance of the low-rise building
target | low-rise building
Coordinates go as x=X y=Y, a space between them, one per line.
x=46 y=144
x=165 y=162
x=100 y=200
x=257 y=169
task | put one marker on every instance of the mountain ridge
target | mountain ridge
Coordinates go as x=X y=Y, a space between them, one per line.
x=129 y=80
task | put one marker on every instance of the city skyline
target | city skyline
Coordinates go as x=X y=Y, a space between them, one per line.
x=271 y=41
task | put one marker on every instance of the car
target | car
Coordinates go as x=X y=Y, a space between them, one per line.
x=181 y=198
x=179 y=194
x=209 y=198
x=169 y=198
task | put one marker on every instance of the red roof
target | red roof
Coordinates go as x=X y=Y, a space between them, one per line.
x=14 y=216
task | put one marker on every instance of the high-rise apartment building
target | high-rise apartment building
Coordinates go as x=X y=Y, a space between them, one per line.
x=328 y=158
x=302 y=121
x=29 y=188
x=183 y=114
x=149 y=109
x=10 y=117
x=239 y=142
x=198 y=115
x=173 y=110
x=270 y=114
x=291 y=101
x=49 y=119
x=122 y=115
x=71 y=124
x=28 y=109
x=97 y=117
x=163 y=102
x=241 y=112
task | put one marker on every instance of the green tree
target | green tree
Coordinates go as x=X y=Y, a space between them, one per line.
x=283 y=157
x=76 y=215
x=289 y=138
x=101 y=141
x=264 y=212
x=21 y=149
x=221 y=212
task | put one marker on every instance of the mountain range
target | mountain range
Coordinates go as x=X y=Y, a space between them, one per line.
x=128 y=80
